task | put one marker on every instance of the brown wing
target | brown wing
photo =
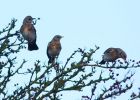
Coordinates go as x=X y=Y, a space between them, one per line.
x=48 y=48
x=21 y=29
x=110 y=54
x=32 y=28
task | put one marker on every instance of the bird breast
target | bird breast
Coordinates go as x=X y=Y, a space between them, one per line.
x=29 y=34
x=54 y=49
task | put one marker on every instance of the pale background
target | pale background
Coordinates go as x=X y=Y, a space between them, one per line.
x=83 y=23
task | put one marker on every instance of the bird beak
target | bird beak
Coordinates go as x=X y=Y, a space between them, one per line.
x=34 y=21
x=33 y=18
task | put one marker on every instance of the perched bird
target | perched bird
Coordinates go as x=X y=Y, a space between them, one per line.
x=54 y=48
x=111 y=54
x=28 y=31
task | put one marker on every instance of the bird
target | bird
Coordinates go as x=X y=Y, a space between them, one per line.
x=28 y=32
x=111 y=54
x=54 y=48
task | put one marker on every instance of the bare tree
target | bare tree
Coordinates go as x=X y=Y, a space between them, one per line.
x=42 y=86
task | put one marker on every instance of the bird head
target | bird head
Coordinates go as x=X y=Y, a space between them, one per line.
x=110 y=51
x=57 y=37
x=28 y=19
x=121 y=53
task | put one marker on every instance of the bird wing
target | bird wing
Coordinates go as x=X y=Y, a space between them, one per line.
x=33 y=29
x=48 y=48
x=110 y=55
x=21 y=29
x=23 y=32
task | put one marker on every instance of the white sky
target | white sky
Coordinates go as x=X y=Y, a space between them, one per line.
x=83 y=23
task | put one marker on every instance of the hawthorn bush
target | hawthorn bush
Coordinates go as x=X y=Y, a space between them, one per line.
x=67 y=77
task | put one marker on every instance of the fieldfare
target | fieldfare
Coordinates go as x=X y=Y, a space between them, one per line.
x=111 y=54
x=28 y=32
x=54 y=48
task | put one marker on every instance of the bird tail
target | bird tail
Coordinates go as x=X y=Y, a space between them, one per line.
x=32 y=46
x=102 y=62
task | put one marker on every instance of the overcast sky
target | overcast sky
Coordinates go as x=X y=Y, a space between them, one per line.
x=83 y=23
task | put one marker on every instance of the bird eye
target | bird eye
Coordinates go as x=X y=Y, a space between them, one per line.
x=29 y=18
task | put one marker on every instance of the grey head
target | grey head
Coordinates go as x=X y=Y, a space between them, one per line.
x=57 y=37
x=28 y=19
